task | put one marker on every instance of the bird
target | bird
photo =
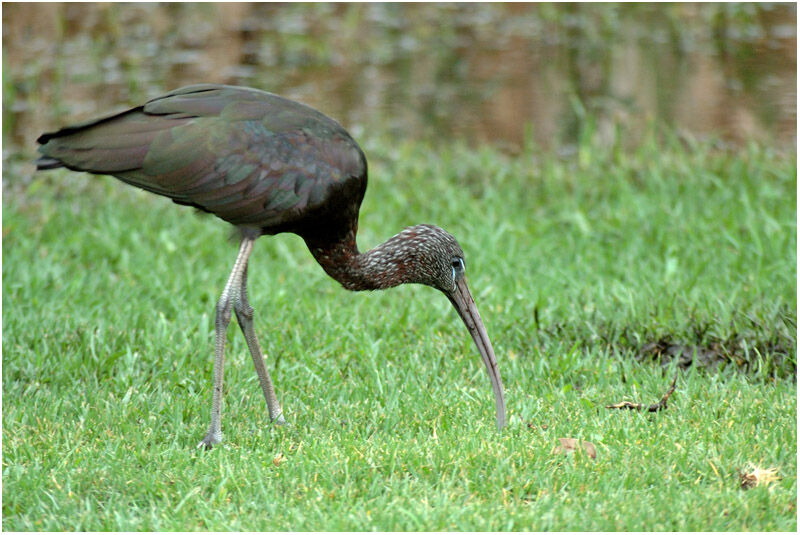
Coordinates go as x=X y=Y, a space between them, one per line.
x=267 y=165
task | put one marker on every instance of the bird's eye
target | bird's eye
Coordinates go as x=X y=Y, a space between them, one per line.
x=458 y=264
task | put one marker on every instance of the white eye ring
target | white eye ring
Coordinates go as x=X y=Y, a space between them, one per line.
x=457 y=265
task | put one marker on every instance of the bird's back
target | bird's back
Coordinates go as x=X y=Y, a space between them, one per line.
x=250 y=157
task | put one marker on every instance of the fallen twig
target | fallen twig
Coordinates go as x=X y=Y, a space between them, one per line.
x=661 y=405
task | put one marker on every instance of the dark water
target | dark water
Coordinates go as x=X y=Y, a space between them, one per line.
x=504 y=74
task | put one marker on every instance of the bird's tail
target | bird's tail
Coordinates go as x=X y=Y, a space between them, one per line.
x=45 y=162
x=104 y=145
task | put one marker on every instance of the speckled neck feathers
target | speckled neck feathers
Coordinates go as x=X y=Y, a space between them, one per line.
x=419 y=254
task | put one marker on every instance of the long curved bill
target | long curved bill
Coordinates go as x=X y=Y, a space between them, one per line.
x=462 y=300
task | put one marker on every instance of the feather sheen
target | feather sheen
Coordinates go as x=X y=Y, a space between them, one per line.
x=247 y=156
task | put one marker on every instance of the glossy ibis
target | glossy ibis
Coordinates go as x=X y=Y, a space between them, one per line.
x=267 y=165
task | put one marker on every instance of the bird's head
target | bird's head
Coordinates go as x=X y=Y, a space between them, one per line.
x=429 y=255
x=426 y=254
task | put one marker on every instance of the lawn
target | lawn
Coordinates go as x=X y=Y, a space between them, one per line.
x=591 y=271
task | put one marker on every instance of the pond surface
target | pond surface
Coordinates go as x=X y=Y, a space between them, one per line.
x=505 y=74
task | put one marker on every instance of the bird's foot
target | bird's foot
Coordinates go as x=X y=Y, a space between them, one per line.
x=280 y=420
x=210 y=440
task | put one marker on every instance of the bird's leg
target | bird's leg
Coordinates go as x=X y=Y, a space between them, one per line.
x=244 y=313
x=230 y=295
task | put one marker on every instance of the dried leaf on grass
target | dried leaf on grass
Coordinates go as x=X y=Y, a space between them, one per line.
x=754 y=477
x=655 y=407
x=570 y=445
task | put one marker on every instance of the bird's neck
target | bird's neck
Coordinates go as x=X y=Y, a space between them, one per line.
x=375 y=269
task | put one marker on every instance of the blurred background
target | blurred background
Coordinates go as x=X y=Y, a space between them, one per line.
x=503 y=74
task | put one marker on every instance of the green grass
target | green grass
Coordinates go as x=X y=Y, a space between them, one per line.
x=576 y=264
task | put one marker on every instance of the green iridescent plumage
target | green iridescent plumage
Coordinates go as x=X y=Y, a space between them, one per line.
x=250 y=157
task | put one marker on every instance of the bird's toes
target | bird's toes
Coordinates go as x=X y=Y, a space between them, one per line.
x=208 y=442
x=280 y=420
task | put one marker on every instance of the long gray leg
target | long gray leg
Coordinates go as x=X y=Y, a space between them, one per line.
x=230 y=295
x=244 y=314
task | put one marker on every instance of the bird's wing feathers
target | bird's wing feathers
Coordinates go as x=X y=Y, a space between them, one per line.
x=250 y=157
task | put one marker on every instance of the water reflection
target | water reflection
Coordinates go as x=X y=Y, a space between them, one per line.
x=487 y=73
